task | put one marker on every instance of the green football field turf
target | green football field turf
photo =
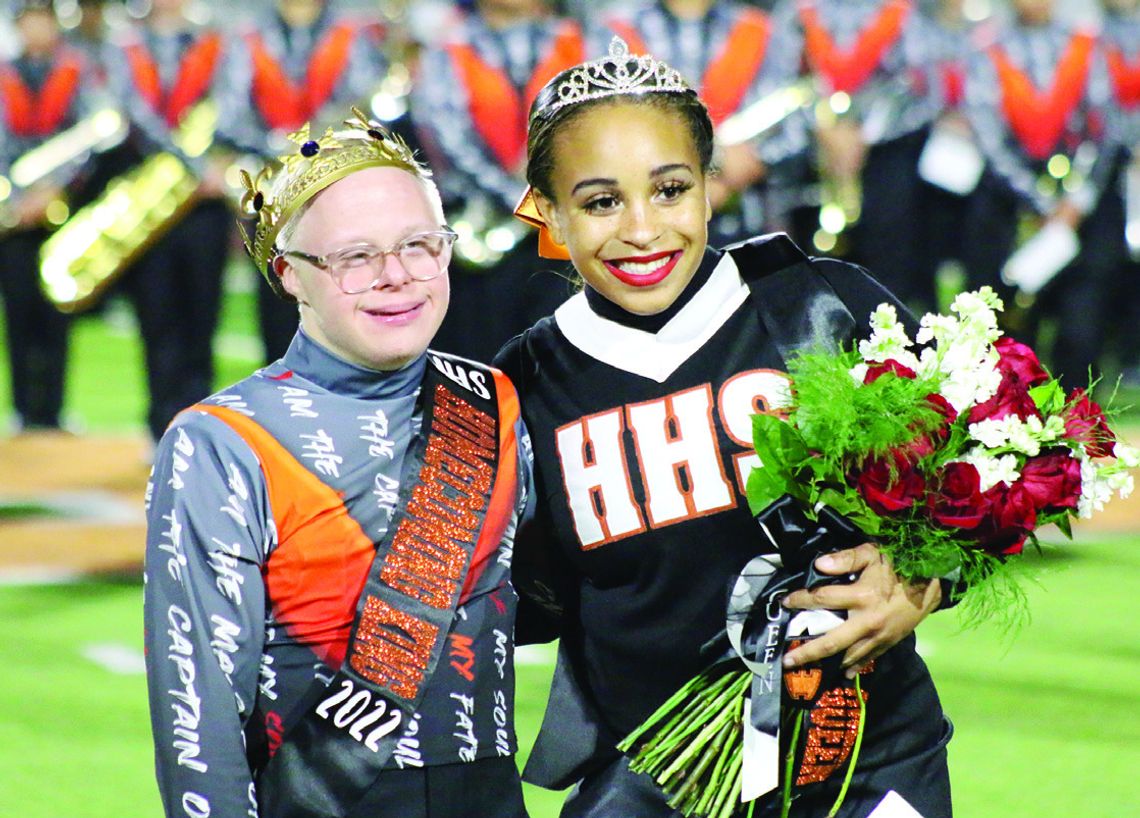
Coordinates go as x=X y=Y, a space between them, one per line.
x=1047 y=722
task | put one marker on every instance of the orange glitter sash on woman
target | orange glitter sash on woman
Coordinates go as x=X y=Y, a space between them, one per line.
x=1125 y=77
x=729 y=75
x=286 y=105
x=32 y=114
x=847 y=69
x=1038 y=119
x=498 y=111
x=194 y=75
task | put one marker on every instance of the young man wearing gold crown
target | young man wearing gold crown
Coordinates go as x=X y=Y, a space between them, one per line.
x=328 y=607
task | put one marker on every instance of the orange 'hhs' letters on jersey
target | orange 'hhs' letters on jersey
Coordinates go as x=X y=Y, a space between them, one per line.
x=677 y=457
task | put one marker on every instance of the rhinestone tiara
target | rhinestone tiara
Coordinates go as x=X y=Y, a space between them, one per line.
x=283 y=186
x=619 y=73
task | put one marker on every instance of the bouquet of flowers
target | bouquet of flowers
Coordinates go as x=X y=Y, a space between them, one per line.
x=950 y=450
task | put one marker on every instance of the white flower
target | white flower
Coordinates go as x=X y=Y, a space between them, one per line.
x=888 y=339
x=993 y=434
x=859 y=372
x=1126 y=455
x=1054 y=429
x=993 y=470
x=1095 y=490
x=1024 y=436
x=1122 y=483
x=978 y=310
x=969 y=382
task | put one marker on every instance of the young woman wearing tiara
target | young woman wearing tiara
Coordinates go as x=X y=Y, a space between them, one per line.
x=638 y=395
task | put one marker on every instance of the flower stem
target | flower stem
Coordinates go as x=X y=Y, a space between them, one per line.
x=790 y=765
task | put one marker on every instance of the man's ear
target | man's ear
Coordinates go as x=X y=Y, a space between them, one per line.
x=287 y=275
x=549 y=215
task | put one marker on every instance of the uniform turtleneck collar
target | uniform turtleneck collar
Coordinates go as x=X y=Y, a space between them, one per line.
x=653 y=323
x=307 y=359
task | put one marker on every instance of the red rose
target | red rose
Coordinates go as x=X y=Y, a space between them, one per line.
x=1013 y=515
x=1085 y=422
x=942 y=406
x=876 y=371
x=1012 y=398
x=1052 y=479
x=887 y=493
x=949 y=415
x=1020 y=360
x=958 y=501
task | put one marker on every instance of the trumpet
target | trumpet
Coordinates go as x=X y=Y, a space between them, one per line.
x=88 y=253
x=97 y=132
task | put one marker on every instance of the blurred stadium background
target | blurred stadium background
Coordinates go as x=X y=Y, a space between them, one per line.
x=1047 y=719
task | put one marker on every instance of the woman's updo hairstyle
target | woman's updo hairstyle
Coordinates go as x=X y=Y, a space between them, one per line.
x=618 y=77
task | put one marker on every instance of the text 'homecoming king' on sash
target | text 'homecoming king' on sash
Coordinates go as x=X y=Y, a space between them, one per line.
x=451 y=479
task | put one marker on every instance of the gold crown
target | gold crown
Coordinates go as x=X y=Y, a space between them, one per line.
x=619 y=73
x=282 y=187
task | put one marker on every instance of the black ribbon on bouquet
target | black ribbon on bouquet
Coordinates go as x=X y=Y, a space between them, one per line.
x=757 y=624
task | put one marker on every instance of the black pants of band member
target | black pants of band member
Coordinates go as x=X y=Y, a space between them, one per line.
x=176 y=289
x=37 y=333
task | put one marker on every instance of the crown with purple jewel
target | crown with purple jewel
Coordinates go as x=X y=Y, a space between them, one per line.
x=619 y=73
x=282 y=187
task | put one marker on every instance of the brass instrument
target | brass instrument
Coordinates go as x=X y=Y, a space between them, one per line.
x=97 y=132
x=840 y=197
x=765 y=113
x=85 y=256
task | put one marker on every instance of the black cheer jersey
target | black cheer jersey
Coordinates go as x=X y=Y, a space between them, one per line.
x=641 y=428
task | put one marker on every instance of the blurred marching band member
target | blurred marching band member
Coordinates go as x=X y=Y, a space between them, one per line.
x=870 y=62
x=1121 y=52
x=160 y=69
x=1037 y=103
x=469 y=105
x=950 y=164
x=47 y=88
x=722 y=48
x=294 y=63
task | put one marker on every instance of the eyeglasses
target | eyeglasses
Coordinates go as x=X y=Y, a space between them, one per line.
x=359 y=268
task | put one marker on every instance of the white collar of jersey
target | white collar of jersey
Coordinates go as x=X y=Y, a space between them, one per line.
x=656 y=355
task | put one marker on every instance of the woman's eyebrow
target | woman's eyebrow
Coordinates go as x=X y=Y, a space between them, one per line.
x=658 y=171
x=606 y=182
x=590 y=182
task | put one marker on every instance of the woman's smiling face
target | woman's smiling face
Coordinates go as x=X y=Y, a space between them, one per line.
x=628 y=201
